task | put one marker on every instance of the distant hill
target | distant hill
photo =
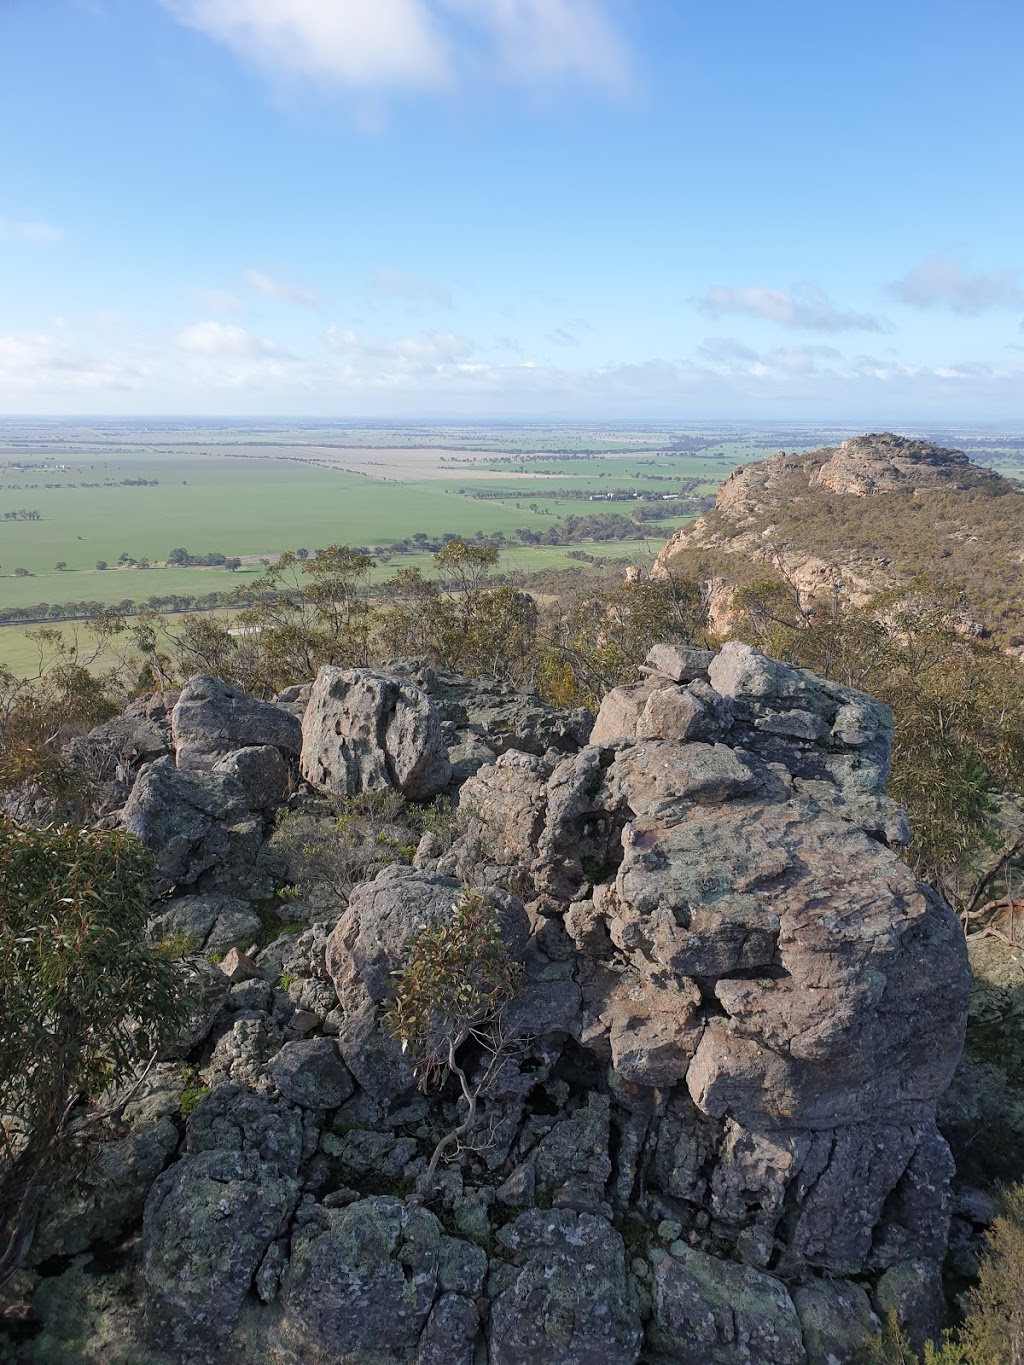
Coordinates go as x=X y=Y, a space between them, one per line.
x=870 y=514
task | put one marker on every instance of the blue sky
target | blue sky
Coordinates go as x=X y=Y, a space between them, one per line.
x=500 y=208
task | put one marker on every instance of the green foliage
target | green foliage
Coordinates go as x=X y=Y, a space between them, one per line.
x=191 y=1097
x=38 y=714
x=179 y=945
x=364 y=834
x=599 y=636
x=83 y=998
x=992 y=1332
x=457 y=977
x=459 y=620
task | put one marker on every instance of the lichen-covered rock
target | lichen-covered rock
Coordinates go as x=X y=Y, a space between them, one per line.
x=209 y=1220
x=310 y=1072
x=366 y=731
x=836 y=1321
x=713 y=1312
x=185 y=819
x=362 y=1281
x=263 y=773
x=561 y=1296
x=206 y=923
x=369 y=943
x=99 y=1202
x=211 y=719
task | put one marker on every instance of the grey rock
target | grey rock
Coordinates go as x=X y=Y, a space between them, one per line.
x=99 y=1202
x=362 y=1281
x=913 y=1292
x=232 y=1119
x=207 y=922
x=713 y=1312
x=451 y=1333
x=681 y=663
x=370 y=942
x=367 y=731
x=836 y=1320
x=211 y=719
x=206 y=989
x=208 y=1222
x=262 y=772
x=184 y=819
x=562 y=1297
x=620 y=713
x=311 y=1073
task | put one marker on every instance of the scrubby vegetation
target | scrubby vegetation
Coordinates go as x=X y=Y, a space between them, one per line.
x=83 y=999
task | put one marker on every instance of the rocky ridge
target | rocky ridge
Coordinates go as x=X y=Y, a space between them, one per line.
x=755 y=517
x=714 y=1139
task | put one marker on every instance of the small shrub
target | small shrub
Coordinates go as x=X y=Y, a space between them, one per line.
x=191 y=1097
x=457 y=979
x=84 y=1000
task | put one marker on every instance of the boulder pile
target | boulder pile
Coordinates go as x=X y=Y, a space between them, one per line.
x=711 y=1136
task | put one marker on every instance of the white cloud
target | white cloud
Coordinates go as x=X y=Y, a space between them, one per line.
x=39 y=363
x=358 y=44
x=28 y=231
x=366 y=45
x=301 y=295
x=805 y=306
x=945 y=283
x=223 y=339
x=390 y=360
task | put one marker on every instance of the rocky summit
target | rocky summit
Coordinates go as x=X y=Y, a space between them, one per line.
x=710 y=1134
x=878 y=512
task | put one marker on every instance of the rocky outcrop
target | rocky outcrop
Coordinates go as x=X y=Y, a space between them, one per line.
x=212 y=719
x=366 y=731
x=777 y=517
x=867 y=465
x=708 y=1133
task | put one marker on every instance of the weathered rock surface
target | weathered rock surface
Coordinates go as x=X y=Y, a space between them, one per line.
x=362 y=1282
x=211 y=719
x=367 y=731
x=188 y=820
x=562 y=1297
x=368 y=944
x=709 y=1134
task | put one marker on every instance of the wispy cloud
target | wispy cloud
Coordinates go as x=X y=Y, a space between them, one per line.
x=301 y=295
x=399 y=284
x=219 y=301
x=12 y=229
x=368 y=45
x=939 y=282
x=805 y=306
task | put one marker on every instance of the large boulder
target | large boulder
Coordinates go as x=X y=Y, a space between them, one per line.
x=185 y=819
x=367 y=731
x=713 y=1312
x=362 y=1282
x=211 y=719
x=560 y=1295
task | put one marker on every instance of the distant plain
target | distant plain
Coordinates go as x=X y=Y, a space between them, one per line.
x=255 y=490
